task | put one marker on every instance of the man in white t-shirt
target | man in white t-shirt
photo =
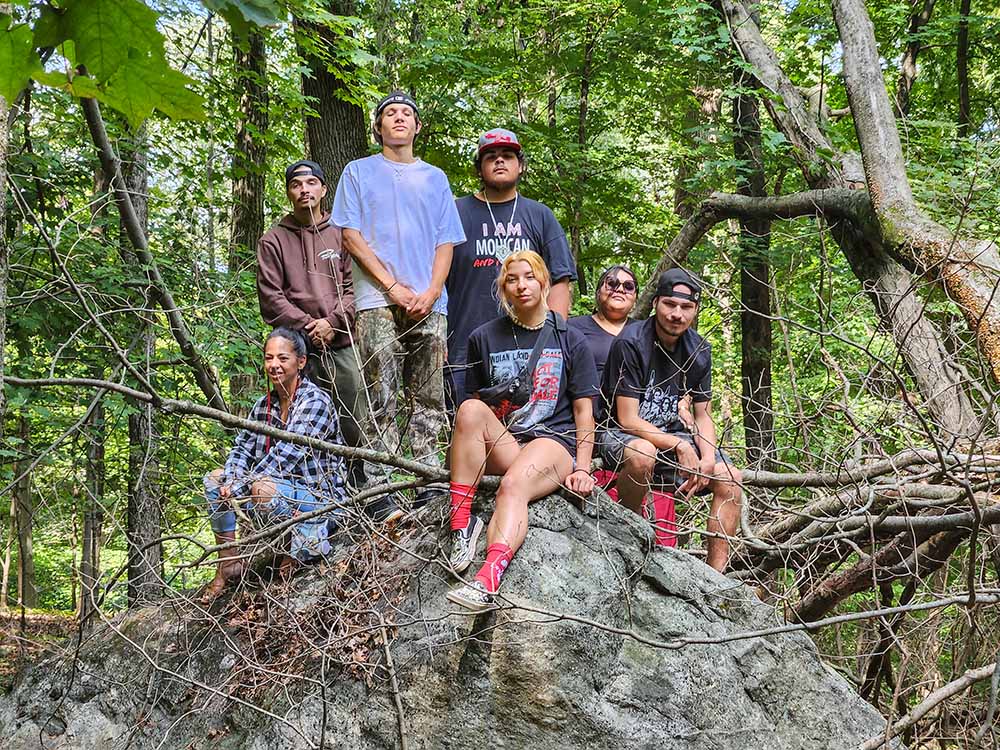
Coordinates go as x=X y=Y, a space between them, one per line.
x=400 y=224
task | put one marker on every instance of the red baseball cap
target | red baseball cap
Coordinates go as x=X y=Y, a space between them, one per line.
x=498 y=138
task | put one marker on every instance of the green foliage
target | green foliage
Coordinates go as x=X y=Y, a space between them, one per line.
x=18 y=61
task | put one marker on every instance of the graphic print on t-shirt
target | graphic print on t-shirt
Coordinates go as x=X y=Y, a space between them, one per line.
x=545 y=392
x=659 y=404
x=493 y=248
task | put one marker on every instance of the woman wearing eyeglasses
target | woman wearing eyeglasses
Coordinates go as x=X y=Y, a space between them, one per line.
x=615 y=296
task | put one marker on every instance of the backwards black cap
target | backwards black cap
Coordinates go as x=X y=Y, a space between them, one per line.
x=397 y=97
x=304 y=167
x=678 y=276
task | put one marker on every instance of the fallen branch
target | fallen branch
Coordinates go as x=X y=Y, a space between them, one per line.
x=939 y=696
x=203 y=374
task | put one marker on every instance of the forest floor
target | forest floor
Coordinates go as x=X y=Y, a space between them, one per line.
x=20 y=645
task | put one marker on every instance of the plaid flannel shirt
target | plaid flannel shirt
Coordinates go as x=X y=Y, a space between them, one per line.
x=312 y=414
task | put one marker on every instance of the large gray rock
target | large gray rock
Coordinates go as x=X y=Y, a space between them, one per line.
x=587 y=652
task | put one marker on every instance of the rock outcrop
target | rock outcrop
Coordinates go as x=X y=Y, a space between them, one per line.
x=591 y=649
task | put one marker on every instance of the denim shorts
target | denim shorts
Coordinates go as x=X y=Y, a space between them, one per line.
x=310 y=538
x=612 y=442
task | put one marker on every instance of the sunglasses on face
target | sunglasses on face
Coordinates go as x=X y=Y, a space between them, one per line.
x=628 y=286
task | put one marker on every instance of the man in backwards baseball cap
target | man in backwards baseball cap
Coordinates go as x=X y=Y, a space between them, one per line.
x=650 y=369
x=400 y=224
x=498 y=221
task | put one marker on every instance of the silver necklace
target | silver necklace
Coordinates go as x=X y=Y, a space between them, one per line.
x=506 y=239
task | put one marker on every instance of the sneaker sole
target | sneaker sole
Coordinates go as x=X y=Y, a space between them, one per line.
x=473 y=606
x=472 y=547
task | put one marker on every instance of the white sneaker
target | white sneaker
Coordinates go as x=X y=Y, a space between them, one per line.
x=473 y=596
x=463 y=544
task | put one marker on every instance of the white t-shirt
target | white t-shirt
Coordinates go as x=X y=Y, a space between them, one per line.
x=404 y=211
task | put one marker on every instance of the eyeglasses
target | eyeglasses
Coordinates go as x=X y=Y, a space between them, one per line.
x=628 y=286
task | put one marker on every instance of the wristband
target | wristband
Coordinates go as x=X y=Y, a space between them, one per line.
x=389 y=288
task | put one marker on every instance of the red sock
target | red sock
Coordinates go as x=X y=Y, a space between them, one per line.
x=461 y=504
x=497 y=559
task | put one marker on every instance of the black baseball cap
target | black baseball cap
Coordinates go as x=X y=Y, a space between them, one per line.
x=298 y=169
x=397 y=97
x=678 y=276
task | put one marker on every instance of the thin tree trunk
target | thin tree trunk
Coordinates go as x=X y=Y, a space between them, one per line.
x=93 y=515
x=755 y=287
x=962 y=66
x=144 y=513
x=4 y=271
x=576 y=218
x=908 y=65
x=8 y=546
x=250 y=152
x=338 y=134
x=27 y=593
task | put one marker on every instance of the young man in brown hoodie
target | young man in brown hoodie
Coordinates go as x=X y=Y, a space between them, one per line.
x=304 y=282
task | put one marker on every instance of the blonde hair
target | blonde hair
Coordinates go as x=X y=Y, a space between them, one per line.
x=538 y=267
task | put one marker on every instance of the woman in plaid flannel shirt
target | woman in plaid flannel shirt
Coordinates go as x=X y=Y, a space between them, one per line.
x=273 y=480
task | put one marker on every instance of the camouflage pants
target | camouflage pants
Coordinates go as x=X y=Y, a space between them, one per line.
x=401 y=357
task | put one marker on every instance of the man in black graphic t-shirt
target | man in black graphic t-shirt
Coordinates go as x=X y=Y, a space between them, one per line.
x=498 y=221
x=650 y=368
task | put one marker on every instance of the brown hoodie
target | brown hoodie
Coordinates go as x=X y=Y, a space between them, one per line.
x=304 y=274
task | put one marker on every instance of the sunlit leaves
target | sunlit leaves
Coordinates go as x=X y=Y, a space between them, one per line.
x=119 y=46
x=241 y=13
x=18 y=61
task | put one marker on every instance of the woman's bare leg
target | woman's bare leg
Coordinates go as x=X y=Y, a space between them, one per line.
x=480 y=444
x=538 y=470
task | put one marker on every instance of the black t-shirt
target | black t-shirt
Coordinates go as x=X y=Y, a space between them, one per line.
x=564 y=373
x=598 y=340
x=475 y=263
x=639 y=367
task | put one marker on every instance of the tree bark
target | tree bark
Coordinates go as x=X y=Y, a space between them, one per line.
x=203 y=374
x=144 y=513
x=968 y=270
x=867 y=247
x=908 y=65
x=93 y=516
x=27 y=592
x=755 y=286
x=11 y=535
x=250 y=149
x=338 y=134
x=962 y=67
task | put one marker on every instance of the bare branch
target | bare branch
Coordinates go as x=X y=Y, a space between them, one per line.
x=178 y=326
x=838 y=203
x=939 y=696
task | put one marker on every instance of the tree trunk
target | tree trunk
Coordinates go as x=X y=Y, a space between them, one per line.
x=250 y=150
x=755 y=287
x=144 y=513
x=890 y=286
x=962 y=67
x=576 y=212
x=93 y=515
x=338 y=133
x=27 y=593
x=11 y=535
x=908 y=65
x=4 y=252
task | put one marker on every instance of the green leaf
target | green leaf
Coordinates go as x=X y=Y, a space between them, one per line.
x=81 y=86
x=105 y=30
x=240 y=13
x=146 y=84
x=18 y=59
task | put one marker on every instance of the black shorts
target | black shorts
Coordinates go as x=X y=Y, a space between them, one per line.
x=611 y=444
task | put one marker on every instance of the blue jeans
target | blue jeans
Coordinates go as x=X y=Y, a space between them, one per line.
x=310 y=538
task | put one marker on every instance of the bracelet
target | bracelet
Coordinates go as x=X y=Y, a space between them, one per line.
x=389 y=288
